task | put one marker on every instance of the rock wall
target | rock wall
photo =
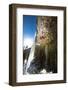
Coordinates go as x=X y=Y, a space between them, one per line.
x=47 y=38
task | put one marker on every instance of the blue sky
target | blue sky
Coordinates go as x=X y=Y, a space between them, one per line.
x=29 y=27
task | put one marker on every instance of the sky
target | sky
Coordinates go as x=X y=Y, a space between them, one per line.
x=29 y=29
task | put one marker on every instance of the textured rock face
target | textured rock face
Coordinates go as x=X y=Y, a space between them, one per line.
x=45 y=55
x=46 y=30
x=47 y=38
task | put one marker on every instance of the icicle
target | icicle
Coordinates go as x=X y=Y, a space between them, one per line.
x=31 y=55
